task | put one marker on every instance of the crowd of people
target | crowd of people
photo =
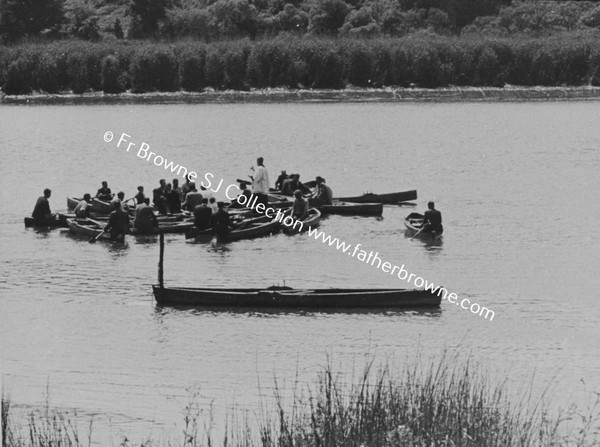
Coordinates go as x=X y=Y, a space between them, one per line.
x=170 y=198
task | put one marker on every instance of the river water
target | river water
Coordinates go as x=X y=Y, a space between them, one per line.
x=517 y=184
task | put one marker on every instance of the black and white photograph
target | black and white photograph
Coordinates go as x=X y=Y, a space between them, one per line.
x=298 y=223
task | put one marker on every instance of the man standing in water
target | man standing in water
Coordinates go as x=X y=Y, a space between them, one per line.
x=220 y=223
x=118 y=223
x=41 y=212
x=260 y=182
x=432 y=220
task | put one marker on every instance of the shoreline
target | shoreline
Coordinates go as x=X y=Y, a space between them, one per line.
x=348 y=95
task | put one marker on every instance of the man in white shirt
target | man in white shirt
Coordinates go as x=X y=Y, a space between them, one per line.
x=83 y=208
x=260 y=182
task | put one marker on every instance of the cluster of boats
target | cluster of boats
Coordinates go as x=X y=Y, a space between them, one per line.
x=247 y=223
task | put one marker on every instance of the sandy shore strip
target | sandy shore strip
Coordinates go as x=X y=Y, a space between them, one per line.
x=451 y=94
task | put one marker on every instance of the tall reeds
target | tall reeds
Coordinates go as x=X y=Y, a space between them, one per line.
x=421 y=60
x=447 y=402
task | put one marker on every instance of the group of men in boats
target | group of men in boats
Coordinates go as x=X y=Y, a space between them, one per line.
x=170 y=198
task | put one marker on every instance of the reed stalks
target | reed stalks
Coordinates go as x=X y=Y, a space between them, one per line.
x=447 y=402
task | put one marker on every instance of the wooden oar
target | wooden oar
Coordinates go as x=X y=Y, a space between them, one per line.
x=418 y=232
x=93 y=239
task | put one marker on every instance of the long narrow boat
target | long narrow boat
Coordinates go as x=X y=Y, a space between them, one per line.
x=86 y=227
x=353 y=209
x=253 y=228
x=413 y=223
x=286 y=297
x=60 y=221
x=168 y=227
x=311 y=221
x=389 y=198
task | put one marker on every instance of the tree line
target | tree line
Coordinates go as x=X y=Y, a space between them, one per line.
x=210 y=20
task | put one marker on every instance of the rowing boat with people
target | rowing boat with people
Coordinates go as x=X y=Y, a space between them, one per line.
x=247 y=229
x=310 y=221
x=392 y=198
x=414 y=226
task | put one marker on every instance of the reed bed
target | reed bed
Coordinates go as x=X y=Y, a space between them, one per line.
x=419 y=60
x=445 y=402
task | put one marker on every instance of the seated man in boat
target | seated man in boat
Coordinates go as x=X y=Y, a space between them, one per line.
x=202 y=215
x=279 y=182
x=145 y=221
x=104 y=193
x=118 y=223
x=220 y=223
x=83 y=208
x=192 y=199
x=300 y=208
x=286 y=185
x=296 y=184
x=432 y=220
x=140 y=197
x=186 y=187
x=322 y=195
x=41 y=212
x=159 y=198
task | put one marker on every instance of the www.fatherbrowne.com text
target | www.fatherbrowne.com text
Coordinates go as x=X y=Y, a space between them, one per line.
x=144 y=152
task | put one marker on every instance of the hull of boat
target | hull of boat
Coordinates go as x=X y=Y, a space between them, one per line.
x=72 y=202
x=390 y=198
x=100 y=207
x=258 y=227
x=86 y=228
x=284 y=297
x=312 y=221
x=60 y=222
x=413 y=223
x=353 y=209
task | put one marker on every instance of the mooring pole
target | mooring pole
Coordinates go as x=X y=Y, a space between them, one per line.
x=161 y=259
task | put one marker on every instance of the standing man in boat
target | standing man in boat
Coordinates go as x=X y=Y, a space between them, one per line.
x=159 y=198
x=432 y=220
x=104 y=193
x=145 y=221
x=41 y=212
x=118 y=223
x=140 y=197
x=220 y=223
x=202 y=215
x=260 y=182
x=279 y=182
x=83 y=208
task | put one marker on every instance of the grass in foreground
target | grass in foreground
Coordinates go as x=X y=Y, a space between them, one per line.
x=443 y=403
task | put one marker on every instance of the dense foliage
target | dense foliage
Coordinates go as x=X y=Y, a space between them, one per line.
x=422 y=60
x=219 y=19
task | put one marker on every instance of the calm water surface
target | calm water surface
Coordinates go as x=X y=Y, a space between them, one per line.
x=517 y=183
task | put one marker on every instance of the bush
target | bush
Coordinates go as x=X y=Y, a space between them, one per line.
x=112 y=76
x=192 y=66
x=154 y=68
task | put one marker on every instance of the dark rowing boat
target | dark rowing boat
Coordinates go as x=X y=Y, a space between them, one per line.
x=60 y=221
x=286 y=297
x=249 y=229
x=389 y=198
x=353 y=209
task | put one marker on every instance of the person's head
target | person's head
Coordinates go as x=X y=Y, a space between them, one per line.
x=283 y=172
x=175 y=182
x=47 y=193
x=319 y=180
x=192 y=186
x=212 y=200
x=140 y=188
x=243 y=186
x=202 y=187
x=298 y=194
x=104 y=184
x=87 y=197
x=162 y=182
x=220 y=205
x=147 y=201
x=296 y=177
x=168 y=187
x=431 y=205
x=121 y=195
x=204 y=201
x=187 y=179
x=260 y=161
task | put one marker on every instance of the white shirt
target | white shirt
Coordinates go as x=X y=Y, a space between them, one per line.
x=80 y=208
x=260 y=184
